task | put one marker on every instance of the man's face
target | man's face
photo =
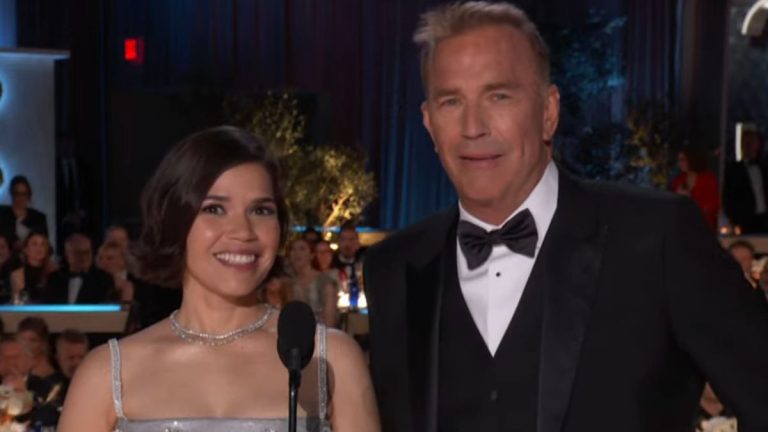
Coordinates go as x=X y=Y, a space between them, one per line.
x=349 y=243
x=79 y=255
x=490 y=115
x=69 y=356
x=15 y=358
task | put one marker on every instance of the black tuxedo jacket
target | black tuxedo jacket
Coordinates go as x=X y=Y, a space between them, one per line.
x=641 y=304
x=98 y=287
x=738 y=195
x=35 y=221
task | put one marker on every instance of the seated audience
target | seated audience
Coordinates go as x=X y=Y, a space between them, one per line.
x=34 y=332
x=111 y=259
x=28 y=282
x=19 y=219
x=17 y=360
x=7 y=263
x=311 y=286
x=71 y=348
x=118 y=234
x=79 y=281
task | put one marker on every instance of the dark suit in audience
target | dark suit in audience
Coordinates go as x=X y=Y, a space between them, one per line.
x=96 y=286
x=35 y=222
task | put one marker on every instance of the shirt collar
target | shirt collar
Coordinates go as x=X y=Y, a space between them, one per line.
x=542 y=203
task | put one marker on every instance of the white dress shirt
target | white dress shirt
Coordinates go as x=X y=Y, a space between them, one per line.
x=75 y=283
x=493 y=290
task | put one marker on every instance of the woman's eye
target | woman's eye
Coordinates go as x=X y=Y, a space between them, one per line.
x=213 y=209
x=264 y=210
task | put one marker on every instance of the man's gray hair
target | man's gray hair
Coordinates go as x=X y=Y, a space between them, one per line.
x=451 y=20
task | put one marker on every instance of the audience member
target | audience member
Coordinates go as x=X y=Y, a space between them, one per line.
x=17 y=360
x=19 y=219
x=699 y=183
x=745 y=187
x=28 y=281
x=744 y=254
x=7 y=263
x=118 y=234
x=349 y=247
x=311 y=286
x=311 y=235
x=34 y=332
x=79 y=281
x=71 y=348
x=111 y=259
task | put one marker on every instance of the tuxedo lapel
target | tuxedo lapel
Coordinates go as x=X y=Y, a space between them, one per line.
x=426 y=277
x=570 y=259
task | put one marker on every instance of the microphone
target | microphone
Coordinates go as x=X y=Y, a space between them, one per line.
x=295 y=346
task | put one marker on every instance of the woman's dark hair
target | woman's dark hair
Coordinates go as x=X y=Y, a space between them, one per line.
x=17 y=180
x=697 y=159
x=172 y=198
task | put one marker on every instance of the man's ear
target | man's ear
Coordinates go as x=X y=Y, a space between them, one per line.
x=551 y=114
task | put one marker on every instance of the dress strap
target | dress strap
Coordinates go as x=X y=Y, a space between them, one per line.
x=117 y=385
x=322 y=372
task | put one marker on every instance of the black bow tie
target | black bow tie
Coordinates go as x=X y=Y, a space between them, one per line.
x=518 y=234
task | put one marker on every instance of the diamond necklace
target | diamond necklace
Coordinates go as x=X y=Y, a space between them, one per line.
x=218 y=339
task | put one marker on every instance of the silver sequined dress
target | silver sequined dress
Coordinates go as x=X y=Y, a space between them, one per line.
x=303 y=424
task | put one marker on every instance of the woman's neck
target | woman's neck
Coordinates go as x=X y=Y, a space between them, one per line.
x=205 y=311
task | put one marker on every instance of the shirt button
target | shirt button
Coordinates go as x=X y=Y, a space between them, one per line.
x=498 y=274
x=494 y=395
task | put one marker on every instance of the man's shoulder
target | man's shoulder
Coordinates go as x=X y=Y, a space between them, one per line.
x=428 y=233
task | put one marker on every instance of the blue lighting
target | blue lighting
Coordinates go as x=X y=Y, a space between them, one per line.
x=66 y=308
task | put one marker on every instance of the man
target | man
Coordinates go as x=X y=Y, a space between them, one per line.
x=79 y=281
x=745 y=187
x=349 y=263
x=349 y=247
x=17 y=360
x=71 y=348
x=543 y=303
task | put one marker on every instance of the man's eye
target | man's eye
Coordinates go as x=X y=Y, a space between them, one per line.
x=499 y=96
x=449 y=102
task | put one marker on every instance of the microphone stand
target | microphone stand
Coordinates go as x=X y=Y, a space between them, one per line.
x=294 y=381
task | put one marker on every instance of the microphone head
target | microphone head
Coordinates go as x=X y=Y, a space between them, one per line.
x=296 y=335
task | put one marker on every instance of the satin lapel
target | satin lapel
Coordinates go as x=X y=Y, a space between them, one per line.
x=426 y=278
x=571 y=256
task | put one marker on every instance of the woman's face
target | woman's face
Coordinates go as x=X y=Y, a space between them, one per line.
x=682 y=162
x=323 y=255
x=36 y=250
x=234 y=238
x=110 y=260
x=20 y=195
x=300 y=254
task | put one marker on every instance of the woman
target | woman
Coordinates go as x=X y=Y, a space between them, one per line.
x=214 y=217
x=111 y=259
x=19 y=219
x=697 y=182
x=311 y=286
x=34 y=332
x=28 y=282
